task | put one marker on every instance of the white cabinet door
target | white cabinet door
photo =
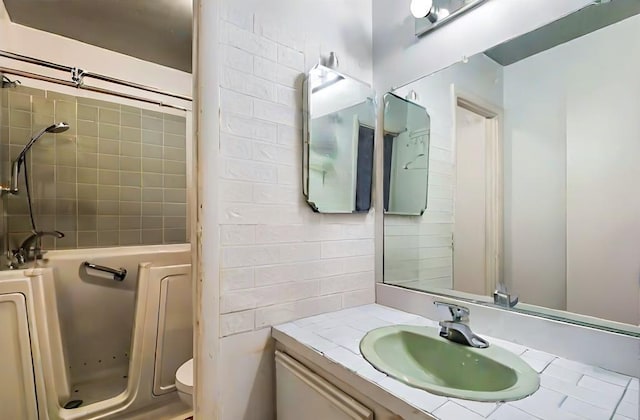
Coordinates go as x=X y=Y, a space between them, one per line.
x=303 y=395
x=17 y=389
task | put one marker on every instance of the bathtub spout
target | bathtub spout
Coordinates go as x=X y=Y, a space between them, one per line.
x=31 y=248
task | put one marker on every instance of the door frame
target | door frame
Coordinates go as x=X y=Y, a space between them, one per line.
x=494 y=228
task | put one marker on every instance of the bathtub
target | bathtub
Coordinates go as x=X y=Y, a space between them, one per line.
x=114 y=345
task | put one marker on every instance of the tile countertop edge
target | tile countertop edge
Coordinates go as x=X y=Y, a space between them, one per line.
x=331 y=341
x=366 y=386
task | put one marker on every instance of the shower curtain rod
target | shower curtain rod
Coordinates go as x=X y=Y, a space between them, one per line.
x=78 y=75
x=36 y=76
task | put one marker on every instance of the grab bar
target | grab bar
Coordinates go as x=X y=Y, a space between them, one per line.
x=118 y=274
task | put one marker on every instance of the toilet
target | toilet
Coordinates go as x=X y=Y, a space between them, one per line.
x=184 y=382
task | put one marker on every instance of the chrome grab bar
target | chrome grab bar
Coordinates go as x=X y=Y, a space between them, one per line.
x=118 y=274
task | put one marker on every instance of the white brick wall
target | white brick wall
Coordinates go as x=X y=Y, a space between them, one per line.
x=279 y=260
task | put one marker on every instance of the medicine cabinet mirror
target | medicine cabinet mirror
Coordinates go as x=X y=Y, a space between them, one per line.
x=338 y=139
x=406 y=156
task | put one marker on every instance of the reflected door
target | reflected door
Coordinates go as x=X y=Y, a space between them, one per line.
x=470 y=203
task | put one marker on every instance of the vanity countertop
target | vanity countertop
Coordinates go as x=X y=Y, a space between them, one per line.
x=568 y=390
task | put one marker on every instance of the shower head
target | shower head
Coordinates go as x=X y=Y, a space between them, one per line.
x=406 y=166
x=56 y=128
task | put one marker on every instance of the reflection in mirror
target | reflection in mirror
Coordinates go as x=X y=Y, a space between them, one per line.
x=338 y=147
x=406 y=156
x=561 y=230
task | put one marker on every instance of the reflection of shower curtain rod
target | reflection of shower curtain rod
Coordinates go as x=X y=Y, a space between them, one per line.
x=78 y=75
x=86 y=87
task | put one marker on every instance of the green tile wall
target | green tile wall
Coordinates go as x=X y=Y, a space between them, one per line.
x=117 y=177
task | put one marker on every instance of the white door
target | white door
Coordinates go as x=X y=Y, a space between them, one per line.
x=17 y=389
x=469 y=253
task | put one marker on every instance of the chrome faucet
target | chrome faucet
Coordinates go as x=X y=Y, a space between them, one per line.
x=454 y=327
x=504 y=299
x=31 y=248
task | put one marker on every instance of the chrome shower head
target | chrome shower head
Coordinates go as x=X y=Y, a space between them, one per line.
x=411 y=162
x=59 y=127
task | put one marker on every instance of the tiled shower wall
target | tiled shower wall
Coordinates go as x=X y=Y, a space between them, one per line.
x=117 y=177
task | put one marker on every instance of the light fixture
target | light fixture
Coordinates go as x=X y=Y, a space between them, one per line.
x=412 y=96
x=443 y=13
x=322 y=77
x=331 y=77
x=421 y=8
x=430 y=14
x=332 y=61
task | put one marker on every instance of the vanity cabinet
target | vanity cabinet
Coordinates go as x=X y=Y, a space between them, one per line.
x=310 y=386
x=17 y=387
x=303 y=395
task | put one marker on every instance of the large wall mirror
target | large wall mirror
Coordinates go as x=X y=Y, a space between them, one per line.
x=339 y=123
x=534 y=175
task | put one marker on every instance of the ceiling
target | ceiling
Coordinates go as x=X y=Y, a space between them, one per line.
x=575 y=25
x=158 y=31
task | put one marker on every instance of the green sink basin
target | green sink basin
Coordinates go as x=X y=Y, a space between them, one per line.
x=419 y=357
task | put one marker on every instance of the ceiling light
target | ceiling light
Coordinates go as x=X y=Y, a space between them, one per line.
x=421 y=8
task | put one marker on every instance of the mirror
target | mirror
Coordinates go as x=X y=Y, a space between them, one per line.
x=533 y=175
x=339 y=123
x=406 y=156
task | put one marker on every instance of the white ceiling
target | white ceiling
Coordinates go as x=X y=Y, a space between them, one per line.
x=158 y=31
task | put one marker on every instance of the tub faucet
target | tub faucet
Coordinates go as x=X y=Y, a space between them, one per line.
x=31 y=248
x=455 y=329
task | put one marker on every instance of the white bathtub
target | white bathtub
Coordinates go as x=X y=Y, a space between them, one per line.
x=114 y=345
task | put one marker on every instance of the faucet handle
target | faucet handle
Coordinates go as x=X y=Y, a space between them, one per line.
x=17 y=259
x=18 y=256
x=502 y=298
x=451 y=312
